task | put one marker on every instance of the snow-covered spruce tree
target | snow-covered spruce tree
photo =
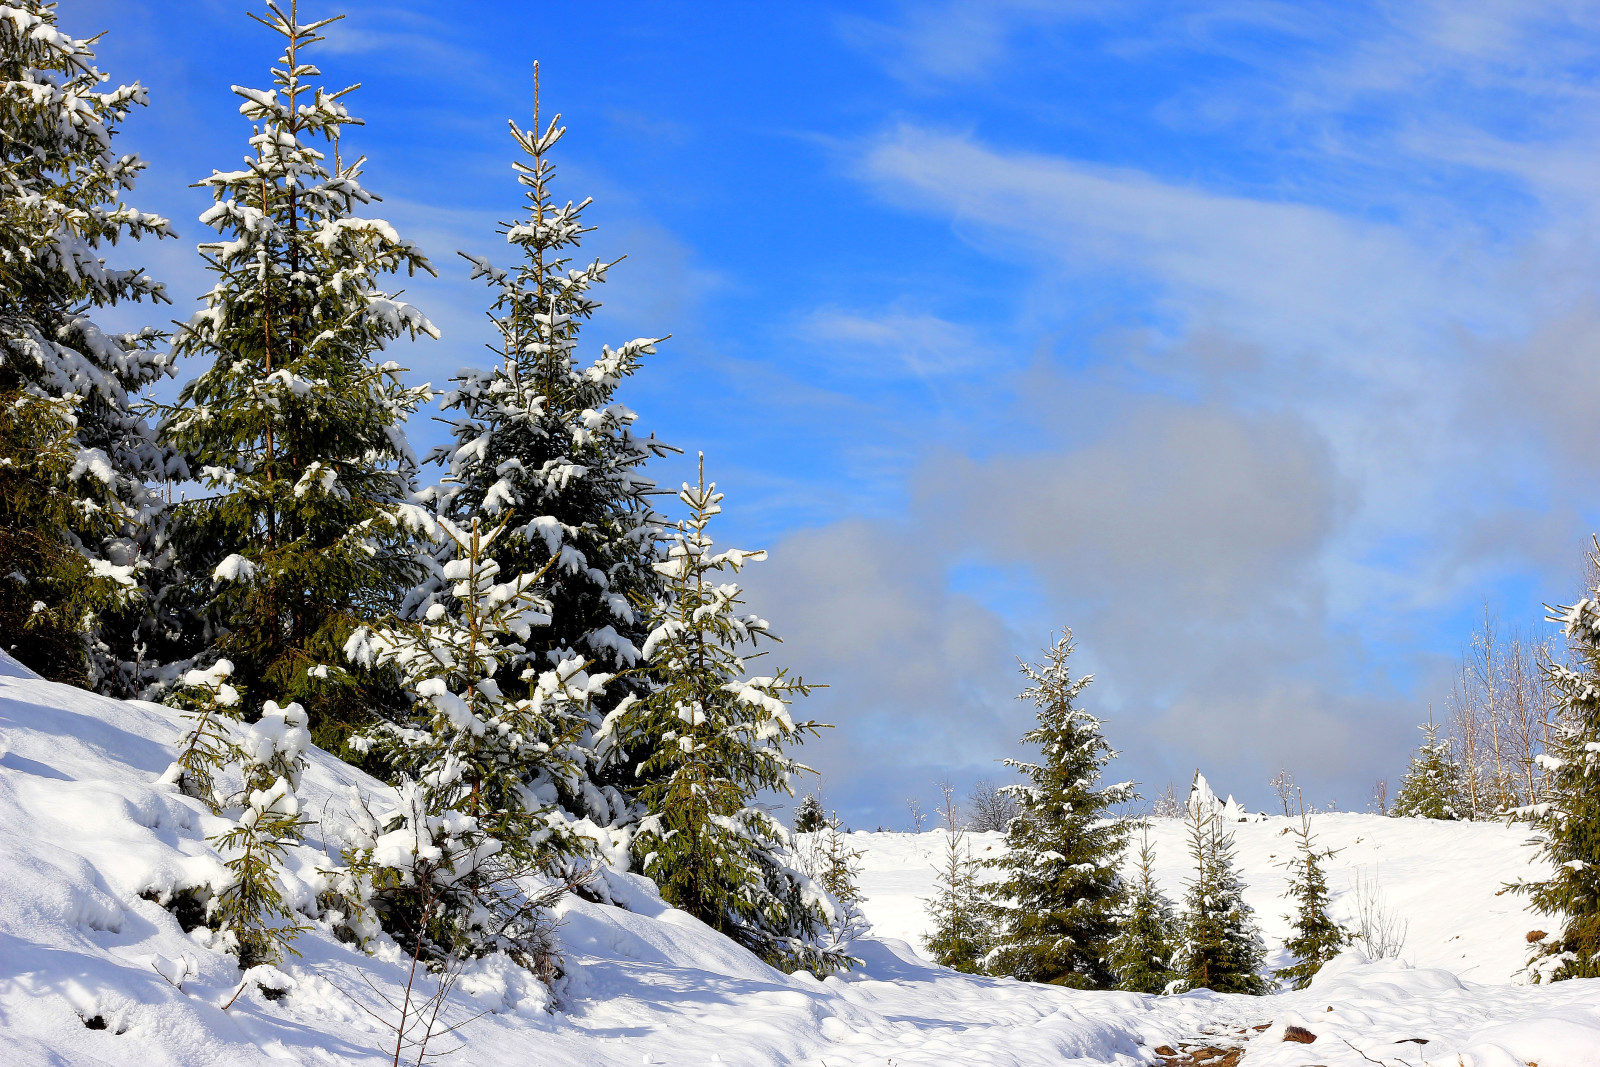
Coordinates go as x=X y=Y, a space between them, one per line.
x=208 y=746
x=1220 y=946
x=1055 y=906
x=1567 y=821
x=1147 y=930
x=1316 y=938
x=60 y=183
x=542 y=443
x=472 y=750
x=961 y=934
x=296 y=429
x=712 y=739
x=256 y=922
x=808 y=815
x=1431 y=788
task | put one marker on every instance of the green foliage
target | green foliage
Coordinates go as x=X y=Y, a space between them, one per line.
x=1055 y=908
x=1432 y=787
x=542 y=444
x=808 y=815
x=295 y=430
x=1221 y=947
x=207 y=747
x=76 y=452
x=47 y=587
x=962 y=932
x=251 y=909
x=714 y=739
x=827 y=857
x=1146 y=940
x=1316 y=938
x=469 y=746
x=1567 y=821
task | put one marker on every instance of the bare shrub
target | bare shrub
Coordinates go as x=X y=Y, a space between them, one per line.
x=990 y=808
x=1379 y=931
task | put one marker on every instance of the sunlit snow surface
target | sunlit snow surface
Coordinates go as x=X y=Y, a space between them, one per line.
x=84 y=830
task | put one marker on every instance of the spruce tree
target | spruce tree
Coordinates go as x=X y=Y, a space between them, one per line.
x=543 y=444
x=808 y=815
x=961 y=936
x=1431 y=788
x=256 y=920
x=92 y=459
x=828 y=858
x=1567 y=821
x=1146 y=940
x=1055 y=906
x=476 y=765
x=296 y=430
x=472 y=747
x=1220 y=947
x=1316 y=938
x=717 y=737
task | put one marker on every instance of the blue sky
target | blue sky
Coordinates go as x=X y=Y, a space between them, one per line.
x=1254 y=341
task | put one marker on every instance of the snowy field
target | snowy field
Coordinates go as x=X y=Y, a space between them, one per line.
x=1441 y=881
x=85 y=833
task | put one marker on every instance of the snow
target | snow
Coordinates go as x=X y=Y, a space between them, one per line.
x=87 y=829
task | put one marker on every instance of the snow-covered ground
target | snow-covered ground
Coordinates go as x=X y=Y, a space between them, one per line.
x=85 y=832
x=1441 y=881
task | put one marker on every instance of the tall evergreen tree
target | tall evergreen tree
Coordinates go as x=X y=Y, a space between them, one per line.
x=296 y=429
x=61 y=183
x=1431 y=788
x=1567 y=821
x=719 y=738
x=542 y=444
x=1316 y=938
x=1056 y=904
x=1221 y=947
x=1142 y=953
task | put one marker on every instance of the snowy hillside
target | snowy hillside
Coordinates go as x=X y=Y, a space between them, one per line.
x=1442 y=881
x=92 y=973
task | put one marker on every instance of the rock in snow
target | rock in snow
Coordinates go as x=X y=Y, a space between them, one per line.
x=94 y=973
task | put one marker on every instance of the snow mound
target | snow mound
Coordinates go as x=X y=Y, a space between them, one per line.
x=93 y=971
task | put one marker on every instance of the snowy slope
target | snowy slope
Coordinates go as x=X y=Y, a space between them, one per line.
x=84 y=832
x=1443 y=880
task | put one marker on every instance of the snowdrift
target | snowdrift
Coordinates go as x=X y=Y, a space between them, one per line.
x=92 y=972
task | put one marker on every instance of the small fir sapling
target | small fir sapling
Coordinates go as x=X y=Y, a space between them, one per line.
x=715 y=738
x=295 y=432
x=1147 y=935
x=808 y=816
x=81 y=566
x=1316 y=938
x=827 y=857
x=1432 y=786
x=961 y=934
x=1220 y=946
x=1567 y=821
x=1055 y=905
x=207 y=746
x=251 y=910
